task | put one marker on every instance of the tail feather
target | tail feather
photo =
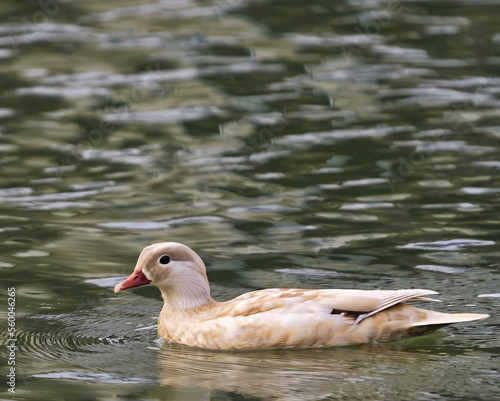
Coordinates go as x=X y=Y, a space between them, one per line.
x=442 y=319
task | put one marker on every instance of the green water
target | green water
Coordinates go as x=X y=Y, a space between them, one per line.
x=347 y=144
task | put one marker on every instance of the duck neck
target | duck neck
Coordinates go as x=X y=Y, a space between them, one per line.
x=184 y=296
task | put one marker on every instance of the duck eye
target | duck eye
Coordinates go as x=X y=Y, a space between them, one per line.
x=165 y=260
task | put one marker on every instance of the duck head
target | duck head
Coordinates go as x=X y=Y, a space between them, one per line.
x=176 y=270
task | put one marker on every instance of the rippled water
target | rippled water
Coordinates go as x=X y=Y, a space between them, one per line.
x=347 y=144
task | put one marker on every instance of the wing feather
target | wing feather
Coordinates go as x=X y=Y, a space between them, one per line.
x=396 y=297
x=363 y=303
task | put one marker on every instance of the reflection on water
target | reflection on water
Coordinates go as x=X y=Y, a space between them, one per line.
x=342 y=373
x=350 y=144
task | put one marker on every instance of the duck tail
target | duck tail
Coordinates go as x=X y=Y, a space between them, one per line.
x=442 y=319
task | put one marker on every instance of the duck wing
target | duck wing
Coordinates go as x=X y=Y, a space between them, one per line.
x=381 y=300
x=360 y=303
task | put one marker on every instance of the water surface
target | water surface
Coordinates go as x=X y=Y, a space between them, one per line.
x=291 y=144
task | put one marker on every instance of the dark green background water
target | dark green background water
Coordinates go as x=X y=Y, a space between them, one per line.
x=346 y=144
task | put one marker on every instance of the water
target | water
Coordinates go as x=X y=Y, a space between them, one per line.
x=323 y=145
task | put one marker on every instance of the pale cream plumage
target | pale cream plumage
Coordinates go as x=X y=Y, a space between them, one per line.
x=275 y=318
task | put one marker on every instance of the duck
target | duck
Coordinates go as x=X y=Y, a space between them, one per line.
x=276 y=317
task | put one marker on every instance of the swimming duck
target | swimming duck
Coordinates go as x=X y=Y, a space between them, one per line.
x=276 y=317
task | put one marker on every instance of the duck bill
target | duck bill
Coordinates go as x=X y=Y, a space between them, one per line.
x=136 y=279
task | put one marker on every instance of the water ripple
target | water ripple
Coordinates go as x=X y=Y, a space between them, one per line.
x=5 y=112
x=492 y=163
x=46 y=338
x=104 y=79
x=263 y=208
x=442 y=269
x=59 y=198
x=364 y=206
x=450 y=245
x=94 y=377
x=458 y=206
x=364 y=182
x=165 y=116
x=157 y=225
x=322 y=137
x=126 y=156
x=310 y=272
x=70 y=93
x=373 y=72
x=452 y=146
x=338 y=40
x=479 y=191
